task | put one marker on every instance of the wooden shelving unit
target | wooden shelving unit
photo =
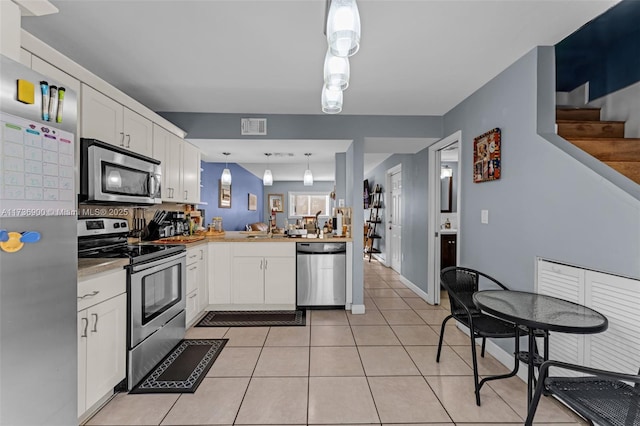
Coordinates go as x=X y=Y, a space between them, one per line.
x=372 y=224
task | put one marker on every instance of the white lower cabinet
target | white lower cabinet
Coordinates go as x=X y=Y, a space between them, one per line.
x=197 y=288
x=102 y=330
x=219 y=268
x=263 y=274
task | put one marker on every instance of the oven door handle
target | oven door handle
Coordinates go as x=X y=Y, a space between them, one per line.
x=159 y=264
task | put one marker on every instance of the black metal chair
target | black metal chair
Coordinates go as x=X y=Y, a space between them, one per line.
x=603 y=397
x=460 y=284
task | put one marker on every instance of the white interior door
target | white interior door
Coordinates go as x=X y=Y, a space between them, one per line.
x=435 y=217
x=395 y=221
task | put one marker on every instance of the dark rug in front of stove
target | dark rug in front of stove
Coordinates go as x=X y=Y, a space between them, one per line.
x=252 y=318
x=183 y=369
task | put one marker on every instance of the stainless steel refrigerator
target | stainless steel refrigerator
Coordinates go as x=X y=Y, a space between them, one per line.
x=38 y=249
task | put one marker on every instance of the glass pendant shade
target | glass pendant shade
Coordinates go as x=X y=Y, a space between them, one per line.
x=267 y=179
x=226 y=177
x=308 y=178
x=336 y=71
x=331 y=100
x=343 y=27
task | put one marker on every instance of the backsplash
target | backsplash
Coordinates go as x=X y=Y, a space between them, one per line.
x=126 y=212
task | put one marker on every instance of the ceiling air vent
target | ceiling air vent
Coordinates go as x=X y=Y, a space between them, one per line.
x=253 y=126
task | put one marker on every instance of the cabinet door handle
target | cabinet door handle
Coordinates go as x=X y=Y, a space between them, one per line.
x=95 y=324
x=193 y=267
x=128 y=141
x=171 y=196
x=265 y=264
x=122 y=139
x=261 y=264
x=86 y=325
x=89 y=294
x=186 y=194
x=193 y=296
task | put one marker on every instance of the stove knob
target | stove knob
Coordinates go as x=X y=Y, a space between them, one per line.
x=123 y=224
x=116 y=225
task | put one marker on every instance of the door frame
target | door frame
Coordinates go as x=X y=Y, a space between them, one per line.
x=433 y=225
x=387 y=196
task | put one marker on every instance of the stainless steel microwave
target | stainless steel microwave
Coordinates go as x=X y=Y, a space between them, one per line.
x=109 y=174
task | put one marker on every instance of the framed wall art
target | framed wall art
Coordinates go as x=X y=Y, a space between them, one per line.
x=253 y=202
x=224 y=195
x=276 y=203
x=487 y=162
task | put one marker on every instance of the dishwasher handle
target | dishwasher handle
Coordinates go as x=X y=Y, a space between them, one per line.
x=321 y=248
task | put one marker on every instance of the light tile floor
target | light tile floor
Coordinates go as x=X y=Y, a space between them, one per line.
x=376 y=368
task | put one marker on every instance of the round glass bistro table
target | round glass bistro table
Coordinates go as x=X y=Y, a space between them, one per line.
x=539 y=312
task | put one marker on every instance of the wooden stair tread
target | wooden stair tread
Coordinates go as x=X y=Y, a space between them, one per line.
x=595 y=129
x=590 y=122
x=610 y=149
x=630 y=169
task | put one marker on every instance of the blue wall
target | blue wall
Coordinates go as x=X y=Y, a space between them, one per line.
x=243 y=182
x=605 y=52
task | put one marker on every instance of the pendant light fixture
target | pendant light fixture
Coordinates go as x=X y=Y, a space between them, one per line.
x=267 y=179
x=343 y=27
x=331 y=100
x=225 y=179
x=336 y=71
x=308 y=177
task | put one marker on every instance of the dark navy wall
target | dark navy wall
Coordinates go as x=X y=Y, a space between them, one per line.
x=605 y=52
x=243 y=182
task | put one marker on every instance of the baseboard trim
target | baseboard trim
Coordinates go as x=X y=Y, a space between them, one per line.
x=357 y=309
x=381 y=259
x=417 y=290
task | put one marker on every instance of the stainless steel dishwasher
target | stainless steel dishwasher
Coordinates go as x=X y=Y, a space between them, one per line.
x=321 y=274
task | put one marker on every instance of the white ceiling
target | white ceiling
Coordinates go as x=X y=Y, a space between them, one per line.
x=417 y=57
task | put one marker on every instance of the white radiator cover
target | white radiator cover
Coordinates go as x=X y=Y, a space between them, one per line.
x=617 y=298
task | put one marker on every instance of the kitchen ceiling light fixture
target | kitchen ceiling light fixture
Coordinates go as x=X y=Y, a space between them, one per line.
x=446 y=172
x=225 y=179
x=267 y=178
x=336 y=71
x=308 y=176
x=331 y=100
x=343 y=27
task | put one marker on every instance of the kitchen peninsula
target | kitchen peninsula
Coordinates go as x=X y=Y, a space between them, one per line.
x=236 y=271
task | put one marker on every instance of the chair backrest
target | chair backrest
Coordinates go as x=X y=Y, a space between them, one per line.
x=463 y=282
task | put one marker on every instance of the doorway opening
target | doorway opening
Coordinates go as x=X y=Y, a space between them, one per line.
x=393 y=225
x=444 y=207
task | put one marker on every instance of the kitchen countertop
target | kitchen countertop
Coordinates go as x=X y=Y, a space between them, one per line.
x=88 y=267
x=243 y=237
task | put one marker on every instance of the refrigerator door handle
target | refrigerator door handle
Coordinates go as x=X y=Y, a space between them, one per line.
x=95 y=324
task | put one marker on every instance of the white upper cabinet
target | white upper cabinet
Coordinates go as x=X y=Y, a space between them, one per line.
x=104 y=119
x=191 y=173
x=180 y=167
x=138 y=133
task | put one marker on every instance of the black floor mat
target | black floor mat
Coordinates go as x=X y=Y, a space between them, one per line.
x=183 y=369
x=252 y=318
